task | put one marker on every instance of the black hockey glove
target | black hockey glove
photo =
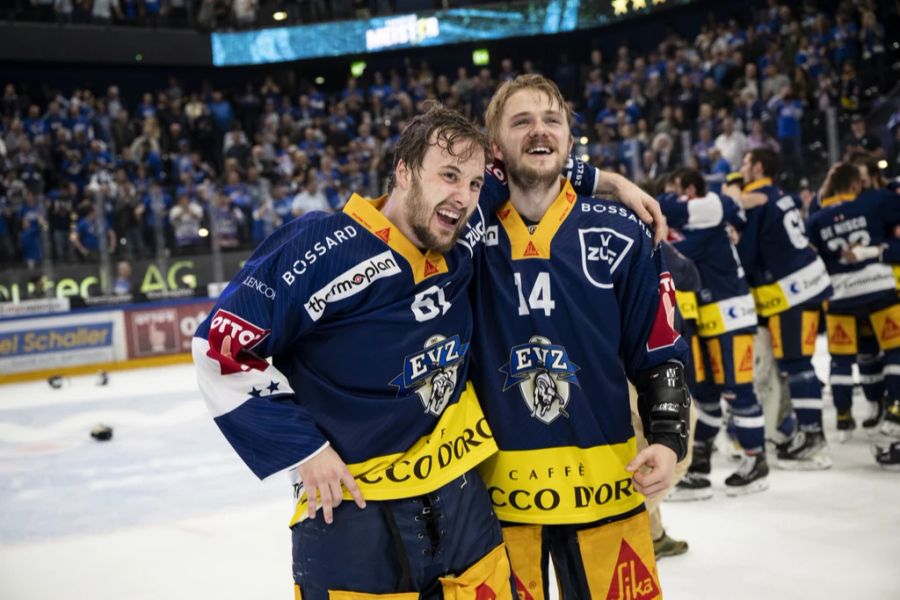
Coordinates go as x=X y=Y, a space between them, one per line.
x=664 y=405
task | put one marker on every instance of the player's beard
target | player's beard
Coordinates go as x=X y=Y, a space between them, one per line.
x=419 y=216
x=529 y=178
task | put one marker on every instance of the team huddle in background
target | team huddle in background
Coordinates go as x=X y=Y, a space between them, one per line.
x=768 y=263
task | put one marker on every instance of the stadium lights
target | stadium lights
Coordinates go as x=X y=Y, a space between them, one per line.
x=481 y=57
x=319 y=80
x=583 y=140
x=204 y=232
x=279 y=15
x=586 y=158
x=882 y=164
x=357 y=68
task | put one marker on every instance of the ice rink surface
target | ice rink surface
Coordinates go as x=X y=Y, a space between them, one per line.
x=166 y=510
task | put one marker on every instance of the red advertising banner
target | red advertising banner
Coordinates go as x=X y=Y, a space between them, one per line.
x=164 y=330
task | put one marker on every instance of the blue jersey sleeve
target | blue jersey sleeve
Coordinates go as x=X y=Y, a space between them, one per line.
x=646 y=295
x=251 y=400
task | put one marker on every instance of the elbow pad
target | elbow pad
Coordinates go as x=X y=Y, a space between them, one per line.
x=664 y=406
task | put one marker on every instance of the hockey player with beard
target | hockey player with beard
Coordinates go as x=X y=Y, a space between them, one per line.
x=572 y=289
x=789 y=283
x=359 y=424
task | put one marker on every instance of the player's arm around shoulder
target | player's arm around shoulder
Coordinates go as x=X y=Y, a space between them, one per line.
x=631 y=195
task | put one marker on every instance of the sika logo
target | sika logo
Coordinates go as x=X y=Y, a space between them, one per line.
x=632 y=579
x=890 y=330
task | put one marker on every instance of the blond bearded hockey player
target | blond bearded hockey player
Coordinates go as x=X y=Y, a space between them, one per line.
x=366 y=316
x=570 y=298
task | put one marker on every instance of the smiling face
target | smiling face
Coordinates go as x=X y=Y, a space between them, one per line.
x=531 y=136
x=441 y=195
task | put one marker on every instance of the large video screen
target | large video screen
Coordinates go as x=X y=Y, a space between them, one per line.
x=512 y=19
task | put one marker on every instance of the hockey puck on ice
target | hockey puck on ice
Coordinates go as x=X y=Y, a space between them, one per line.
x=102 y=433
x=102 y=377
x=55 y=381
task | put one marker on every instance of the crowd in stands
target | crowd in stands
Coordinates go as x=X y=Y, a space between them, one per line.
x=184 y=168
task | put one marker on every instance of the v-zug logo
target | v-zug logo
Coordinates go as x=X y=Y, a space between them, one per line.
x=353 y=280
x=602 y=251
x=543 y=372
x=431 y=373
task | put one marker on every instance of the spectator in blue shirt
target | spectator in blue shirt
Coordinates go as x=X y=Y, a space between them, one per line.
x=788 y=110
x=32 y=221
x=221 y=111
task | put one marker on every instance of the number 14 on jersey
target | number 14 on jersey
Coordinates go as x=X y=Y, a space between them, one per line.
x=540 y=296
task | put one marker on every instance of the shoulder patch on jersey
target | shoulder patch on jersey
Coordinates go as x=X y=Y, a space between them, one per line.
x=663 y=334
x=244 y=337
x=602 y=251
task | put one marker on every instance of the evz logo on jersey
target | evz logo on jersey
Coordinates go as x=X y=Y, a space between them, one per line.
x=602 y=251
x=543 y=372
x=431 y=373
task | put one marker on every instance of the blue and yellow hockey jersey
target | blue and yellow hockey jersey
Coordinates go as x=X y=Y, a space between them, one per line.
x=845 y=221
x=783 y=270
x=369 y=338
x=724 y=300
x=562 y=316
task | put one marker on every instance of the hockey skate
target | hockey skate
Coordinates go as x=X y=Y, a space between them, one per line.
x=666 y=546
x=751 y=476
x=806 y=451
x=695 y=484
x=886 y=455
x=845 y=426
x=876 y=414
x=891 y=424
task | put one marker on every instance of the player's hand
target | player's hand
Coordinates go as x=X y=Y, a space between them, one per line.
x=322 y=477
x=653 y=468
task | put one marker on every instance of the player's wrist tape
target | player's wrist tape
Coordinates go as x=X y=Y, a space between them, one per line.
x=664 y=406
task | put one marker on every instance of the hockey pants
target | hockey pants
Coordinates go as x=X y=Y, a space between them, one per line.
x=728 y=374
x=446 y=544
